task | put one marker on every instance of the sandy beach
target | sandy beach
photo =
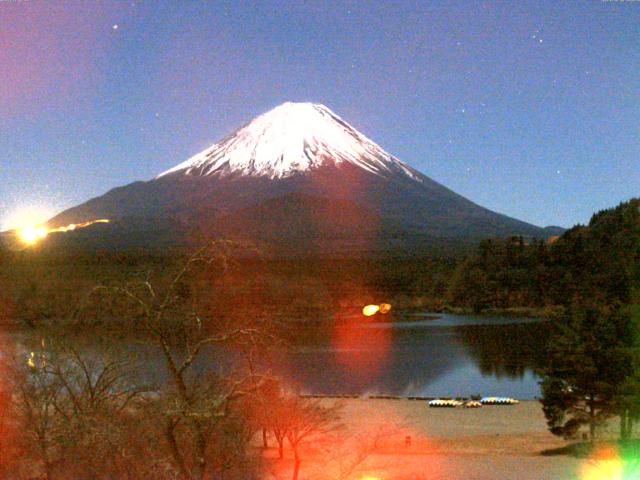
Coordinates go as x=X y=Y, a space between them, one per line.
x=407 y=440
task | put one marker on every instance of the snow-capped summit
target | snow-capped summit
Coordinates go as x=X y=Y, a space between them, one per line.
x=291 y=138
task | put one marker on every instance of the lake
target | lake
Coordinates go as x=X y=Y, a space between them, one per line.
x=416 y=355
x=454 y=355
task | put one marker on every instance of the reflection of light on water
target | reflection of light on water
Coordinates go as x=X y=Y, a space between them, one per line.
x=363 y=353
x=31 y=362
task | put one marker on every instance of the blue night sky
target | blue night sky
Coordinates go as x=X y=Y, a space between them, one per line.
x=529 y=108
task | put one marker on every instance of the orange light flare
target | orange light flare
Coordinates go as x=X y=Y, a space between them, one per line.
x=385 y=308
x=32 y=234
x=371 y=310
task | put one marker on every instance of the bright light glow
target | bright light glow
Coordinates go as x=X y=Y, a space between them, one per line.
x=370 y=310
x=74 y=226
x=611 y=469
x=25 y=216
x=606 y=463
x=32 y=234
x=31 y=361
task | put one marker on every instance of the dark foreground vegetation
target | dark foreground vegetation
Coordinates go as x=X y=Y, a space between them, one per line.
x=598 y=261
x=67 y=414
x=48 y=288
x=514 y=276
x=593 y=370
x=590 y=279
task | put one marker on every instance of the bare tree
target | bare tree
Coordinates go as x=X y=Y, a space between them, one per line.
x=299 y=421
x=72 y=411
x=309 y=418
x=84 y=414
x=37 y=393
x=10 y=450
x=178 y=318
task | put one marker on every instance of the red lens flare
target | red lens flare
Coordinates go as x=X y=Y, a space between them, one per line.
x=362 y=348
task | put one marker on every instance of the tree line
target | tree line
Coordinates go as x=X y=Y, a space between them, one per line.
x=597 y=261
x=591 y=276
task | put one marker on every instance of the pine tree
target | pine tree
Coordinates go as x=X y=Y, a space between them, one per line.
x=589 y=362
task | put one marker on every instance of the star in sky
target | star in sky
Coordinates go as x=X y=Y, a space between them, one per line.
x=537 y=36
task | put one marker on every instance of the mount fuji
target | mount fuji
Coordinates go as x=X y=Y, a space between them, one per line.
x=300 y=179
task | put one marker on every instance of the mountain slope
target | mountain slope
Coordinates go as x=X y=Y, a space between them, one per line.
x=300 y=175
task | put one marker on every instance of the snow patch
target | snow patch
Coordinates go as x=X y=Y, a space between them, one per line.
x=292 y=138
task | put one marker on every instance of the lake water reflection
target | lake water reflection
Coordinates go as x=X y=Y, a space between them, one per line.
x=453 y=355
